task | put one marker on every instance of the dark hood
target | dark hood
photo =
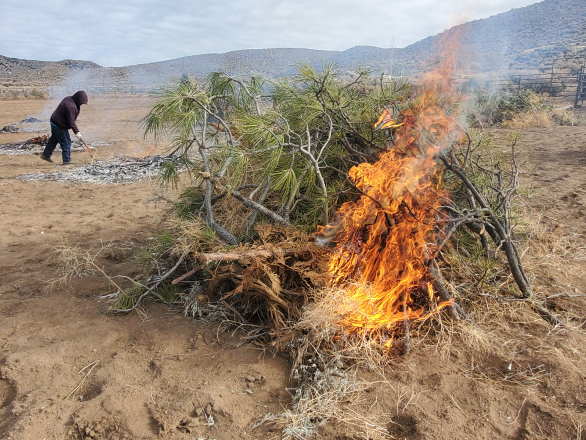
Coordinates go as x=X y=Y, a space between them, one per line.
x=80 y=98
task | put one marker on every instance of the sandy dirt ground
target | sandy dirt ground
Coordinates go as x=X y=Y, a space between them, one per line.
x=70 y=371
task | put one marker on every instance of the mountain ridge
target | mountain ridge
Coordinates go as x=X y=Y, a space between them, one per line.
x=531 y=38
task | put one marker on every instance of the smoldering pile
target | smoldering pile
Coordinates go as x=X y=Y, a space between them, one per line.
x=32 y=126
x=37 y=144
x=120 y=171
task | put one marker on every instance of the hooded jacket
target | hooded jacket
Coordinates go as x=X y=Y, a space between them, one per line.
x=68 y=110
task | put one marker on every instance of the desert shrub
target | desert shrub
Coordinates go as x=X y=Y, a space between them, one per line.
x=566 y=117
x=22 y=93
x=503 y=105
x=511 y=107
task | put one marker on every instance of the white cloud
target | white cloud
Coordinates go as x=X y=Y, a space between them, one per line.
x=123 y=32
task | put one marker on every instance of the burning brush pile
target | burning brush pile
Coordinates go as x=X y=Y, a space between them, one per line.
x=402 y=191
x=386 y=241
x=328 y=218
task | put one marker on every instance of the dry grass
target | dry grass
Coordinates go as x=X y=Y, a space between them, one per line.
x=320 y=329
x=195 y=237
x=449 y=337
x=73 y=261
x=551 y=247
x=332 y=397
x=544 y=116
x=580 y=426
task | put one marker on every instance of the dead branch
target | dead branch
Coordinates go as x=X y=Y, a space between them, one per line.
x=92 y=365
x=482 y=231
x=238 y=256
x=453 y=310
x=456 y=223
x=501 y=229
x=240 y=188
x=260 y=208
x=154 y=286
x=566 y=294
x=547 y=315
x=261 y=199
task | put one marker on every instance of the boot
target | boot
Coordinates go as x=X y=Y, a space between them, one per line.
x=48 y=159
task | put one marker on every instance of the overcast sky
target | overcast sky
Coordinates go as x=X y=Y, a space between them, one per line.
x=123 y=32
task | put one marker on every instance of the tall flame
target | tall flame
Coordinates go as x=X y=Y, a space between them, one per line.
x=384 y=238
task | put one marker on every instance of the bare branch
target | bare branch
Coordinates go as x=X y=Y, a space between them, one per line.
x=154 y=286
x=265 y=211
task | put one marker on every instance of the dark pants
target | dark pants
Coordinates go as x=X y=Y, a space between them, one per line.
x=59 y=136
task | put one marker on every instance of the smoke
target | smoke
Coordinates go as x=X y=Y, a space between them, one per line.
x=118 y=100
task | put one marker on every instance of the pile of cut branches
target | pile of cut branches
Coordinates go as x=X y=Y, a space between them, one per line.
x=265 y=284
x=270 y=161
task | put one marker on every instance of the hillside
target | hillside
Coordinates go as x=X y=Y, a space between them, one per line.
x=14 y=71
x=527 y=38
x=524 y=39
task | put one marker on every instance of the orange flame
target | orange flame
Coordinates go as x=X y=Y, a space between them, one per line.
x=384 y=238
x=386 y=121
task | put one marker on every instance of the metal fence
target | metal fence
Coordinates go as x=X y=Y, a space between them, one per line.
x=581 y=89
x=565 y=84
x=560 y=84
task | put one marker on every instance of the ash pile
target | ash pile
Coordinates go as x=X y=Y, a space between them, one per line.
x=120 y=171
x=31 y=126
x=37 y=144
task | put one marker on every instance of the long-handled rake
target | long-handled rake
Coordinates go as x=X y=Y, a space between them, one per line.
x=88 y=148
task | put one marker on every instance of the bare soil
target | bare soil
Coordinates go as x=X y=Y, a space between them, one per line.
x=68 y=370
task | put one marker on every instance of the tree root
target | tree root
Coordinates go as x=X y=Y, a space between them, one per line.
x=186 y=275
x=546 y=314
x=233 y=256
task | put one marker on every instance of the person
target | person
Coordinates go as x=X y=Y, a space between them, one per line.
x=63 y=119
